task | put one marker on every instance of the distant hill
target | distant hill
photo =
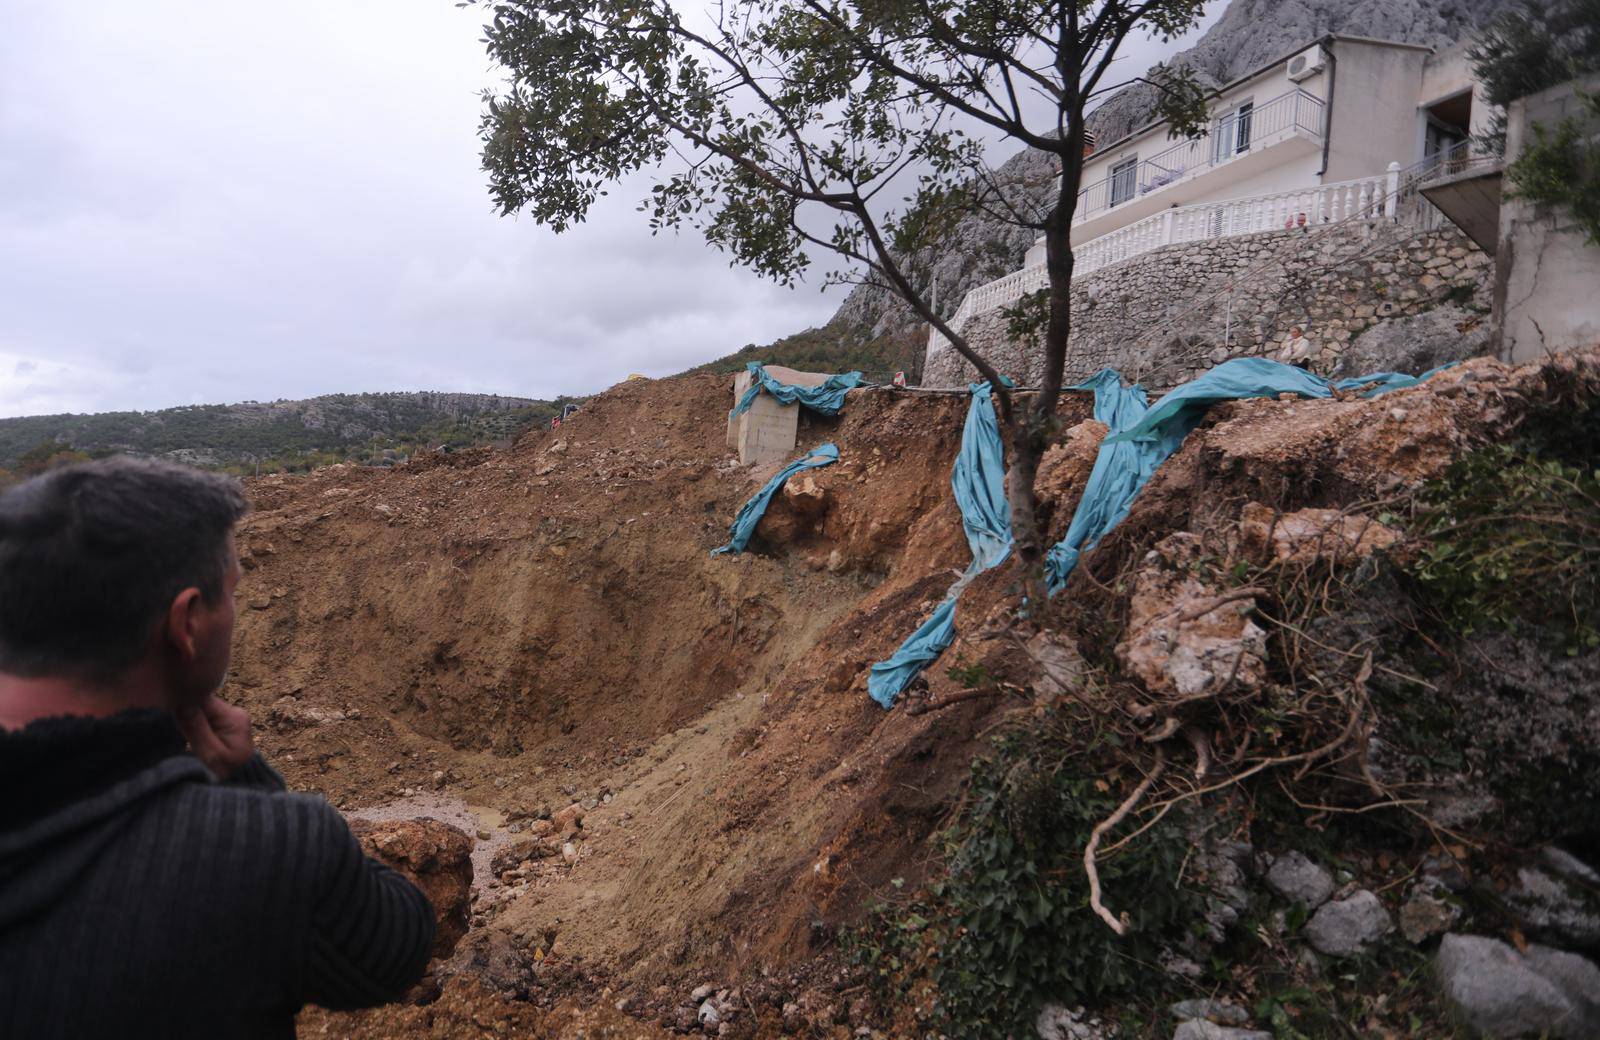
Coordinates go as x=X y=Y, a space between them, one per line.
x=838 y=346
x=282 y=435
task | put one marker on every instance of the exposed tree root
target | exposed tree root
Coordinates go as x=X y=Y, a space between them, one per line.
x=1118 y=925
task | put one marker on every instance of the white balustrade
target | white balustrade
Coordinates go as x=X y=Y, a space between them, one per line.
x=1366 y=198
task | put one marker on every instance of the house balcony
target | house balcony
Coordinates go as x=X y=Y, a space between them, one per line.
x=1237 y=147
x=1462 y=183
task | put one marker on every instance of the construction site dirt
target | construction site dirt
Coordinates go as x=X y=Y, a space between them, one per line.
x=667 y=760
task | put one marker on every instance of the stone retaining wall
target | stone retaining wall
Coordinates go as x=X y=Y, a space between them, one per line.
x=1170 y=314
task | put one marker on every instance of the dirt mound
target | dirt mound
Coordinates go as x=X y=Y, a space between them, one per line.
x=437 y=858
x=528 y=629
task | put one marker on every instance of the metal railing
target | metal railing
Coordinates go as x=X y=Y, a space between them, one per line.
x=1460 y=157
x=1293 y=113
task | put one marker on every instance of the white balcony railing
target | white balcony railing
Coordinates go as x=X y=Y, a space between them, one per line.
x=1284 y=210
x=1295 y=113
x=1322 y=204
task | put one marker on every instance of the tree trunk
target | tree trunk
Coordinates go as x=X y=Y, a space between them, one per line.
x=1035 y=423
x=1026 y=450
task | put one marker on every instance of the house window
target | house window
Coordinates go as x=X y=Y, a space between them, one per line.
x=1122 y=178
x=1231 y=135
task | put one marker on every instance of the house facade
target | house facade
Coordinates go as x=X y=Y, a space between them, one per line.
x=1331 y=132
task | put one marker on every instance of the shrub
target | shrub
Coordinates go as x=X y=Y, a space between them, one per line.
x=1511 y=542
x=1561 y=167
x=1007 y=928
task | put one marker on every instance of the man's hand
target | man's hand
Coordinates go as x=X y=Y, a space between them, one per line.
x=219 y=735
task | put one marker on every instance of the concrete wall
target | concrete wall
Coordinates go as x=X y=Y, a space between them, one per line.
x=1545 y=296
x=1374 y=109
x=1445 y=75
x=1174 y=312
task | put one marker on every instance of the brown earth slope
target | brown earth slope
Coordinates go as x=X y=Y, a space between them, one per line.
x=514 y=632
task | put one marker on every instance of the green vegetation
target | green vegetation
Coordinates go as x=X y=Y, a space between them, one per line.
x=1511 y=542
x=1561 y=167
x=1008 y=928
x=835 y=347
x=282 y=435
x=38 y=459
x=1533 y=47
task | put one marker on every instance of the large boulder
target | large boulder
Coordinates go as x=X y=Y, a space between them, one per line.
x=1307 y=535
x=1186 y=639
x=435 y=857
x=1526 y=720
x=1416 y=343
x=1502 y=993
x=1557 y=900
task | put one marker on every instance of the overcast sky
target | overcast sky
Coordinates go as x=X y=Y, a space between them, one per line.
x=206 y=203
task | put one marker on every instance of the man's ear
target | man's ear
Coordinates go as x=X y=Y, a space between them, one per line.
x=182 y=632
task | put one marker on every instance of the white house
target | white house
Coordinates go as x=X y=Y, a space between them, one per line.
x=1330 y=131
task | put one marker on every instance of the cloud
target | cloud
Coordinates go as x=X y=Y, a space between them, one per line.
x=199 y=204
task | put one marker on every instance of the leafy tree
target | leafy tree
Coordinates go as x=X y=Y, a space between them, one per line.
x=1532 y=47
x=784 y=128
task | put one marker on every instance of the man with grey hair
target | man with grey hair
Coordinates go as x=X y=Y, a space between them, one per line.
x=156 y=878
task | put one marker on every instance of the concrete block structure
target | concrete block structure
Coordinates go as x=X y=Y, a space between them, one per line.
x=767 y=432
x=1546 y=268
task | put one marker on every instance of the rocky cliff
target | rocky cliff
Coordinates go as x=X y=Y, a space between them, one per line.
x=1249 y=34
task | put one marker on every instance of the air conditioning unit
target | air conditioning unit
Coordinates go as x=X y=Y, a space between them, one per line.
x=1306 y=64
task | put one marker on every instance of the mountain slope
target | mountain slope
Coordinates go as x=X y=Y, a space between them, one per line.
x=838 y=346
x=283 y=434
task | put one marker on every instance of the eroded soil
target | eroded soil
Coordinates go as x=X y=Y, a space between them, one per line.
x=490 y=637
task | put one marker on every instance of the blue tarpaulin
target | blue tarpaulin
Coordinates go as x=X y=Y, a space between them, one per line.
x=979 y=483
x=750 y=514
x=1141 y=439
x=1120 y=470
x=827 y=398
x=1386 y=381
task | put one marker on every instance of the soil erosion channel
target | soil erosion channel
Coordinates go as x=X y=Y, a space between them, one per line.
x=520 y=631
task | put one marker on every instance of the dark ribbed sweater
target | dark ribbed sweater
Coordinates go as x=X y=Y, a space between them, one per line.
x=140 y=897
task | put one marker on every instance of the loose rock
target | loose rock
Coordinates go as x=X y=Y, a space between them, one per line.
x=1219 y=1011
x=1425 y=915
x=434 y=856
x=1059 y=1023
x=1343 y=927
x=1297 y=878
x=1200 y=1029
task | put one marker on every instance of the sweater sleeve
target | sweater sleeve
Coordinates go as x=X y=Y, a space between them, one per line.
x=371 y=929
x=258 y=774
